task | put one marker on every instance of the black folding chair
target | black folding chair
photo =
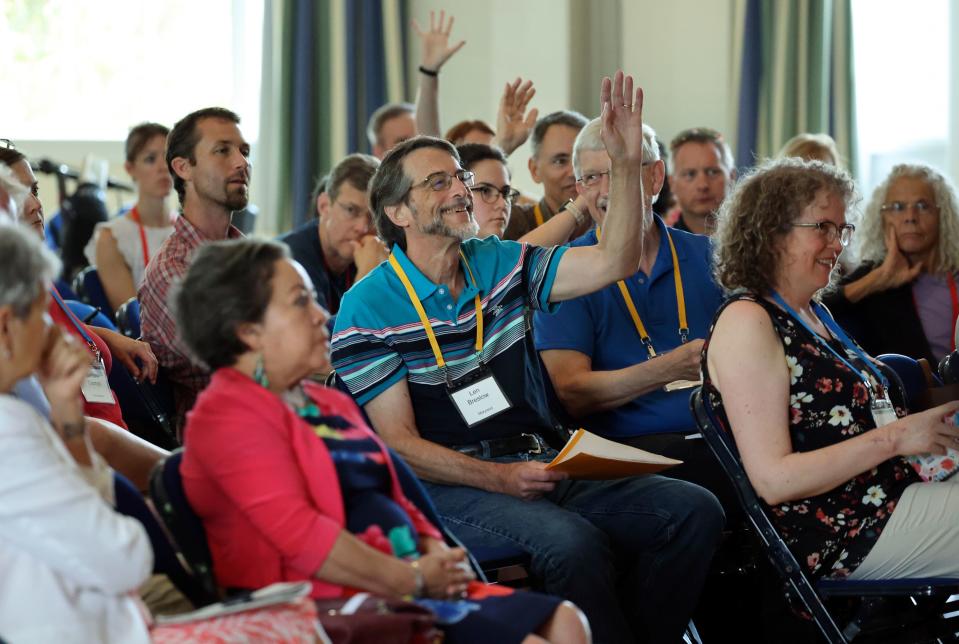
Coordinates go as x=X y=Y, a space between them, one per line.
x=811 y=596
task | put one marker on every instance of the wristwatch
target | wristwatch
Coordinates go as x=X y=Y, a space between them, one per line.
x=576 y=212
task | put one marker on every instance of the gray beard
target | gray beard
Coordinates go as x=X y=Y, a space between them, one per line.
x=439 y=227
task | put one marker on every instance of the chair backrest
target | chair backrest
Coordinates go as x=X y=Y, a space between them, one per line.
x=89 y=289
x=915 y=376
x=186 y=529
x=128 y=318
x=723 y=446
x=90 y=314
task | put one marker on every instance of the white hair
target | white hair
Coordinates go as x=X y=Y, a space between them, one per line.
x=590 y=139
x=870 y=237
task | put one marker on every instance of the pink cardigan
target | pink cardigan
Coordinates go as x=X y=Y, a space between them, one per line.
x=265 y=486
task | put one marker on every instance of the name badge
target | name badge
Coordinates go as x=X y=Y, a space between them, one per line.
x=479 y=400
x=96 y=387
x=883 y=411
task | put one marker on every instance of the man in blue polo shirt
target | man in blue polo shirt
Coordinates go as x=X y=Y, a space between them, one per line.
x=612 y=354
x=434 y=344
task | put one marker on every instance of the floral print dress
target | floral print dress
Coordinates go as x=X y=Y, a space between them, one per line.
x=832 y=532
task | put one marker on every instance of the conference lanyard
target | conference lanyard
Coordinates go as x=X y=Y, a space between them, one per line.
x=440 y=362
x=135 y=216
x=680 y=302
x=538 y=215
x=80 y=327
x=837 y=331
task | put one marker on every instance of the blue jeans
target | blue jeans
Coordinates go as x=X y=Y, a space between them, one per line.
x=631 y=553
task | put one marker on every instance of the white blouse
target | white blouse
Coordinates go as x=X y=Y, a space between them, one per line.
x=70 y=564
x=127 y=234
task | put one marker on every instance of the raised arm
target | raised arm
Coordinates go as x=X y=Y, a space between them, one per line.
x=561 y=227
x=513 y=124
x=391 y=413
x=748 y=365
x=434 y=52
x=583 y=270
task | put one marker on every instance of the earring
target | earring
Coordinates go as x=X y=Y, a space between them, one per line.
x=259 y=373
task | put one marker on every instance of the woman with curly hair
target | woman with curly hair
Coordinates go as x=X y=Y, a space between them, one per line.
x=903 y=298
x=810 y=411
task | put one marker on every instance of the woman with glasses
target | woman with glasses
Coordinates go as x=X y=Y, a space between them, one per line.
x=811 y=413
x=902 y=298
x=493 y=199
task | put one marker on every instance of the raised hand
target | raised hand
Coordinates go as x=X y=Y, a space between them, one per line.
x=513 y=124
x=622 y=119
x=434 y=44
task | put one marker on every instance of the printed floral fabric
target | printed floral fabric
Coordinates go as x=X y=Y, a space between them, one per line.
x=290 y=623
x=831 y=533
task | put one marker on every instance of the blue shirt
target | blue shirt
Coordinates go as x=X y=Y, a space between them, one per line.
x=379 y=339
x=599 y=325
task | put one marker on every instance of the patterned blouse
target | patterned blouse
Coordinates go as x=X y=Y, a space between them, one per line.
x=831 y=532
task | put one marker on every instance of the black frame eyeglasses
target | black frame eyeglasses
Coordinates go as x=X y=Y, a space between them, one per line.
x=591 y=179
x=488 y=193
x=439 y=181
x=831 y=231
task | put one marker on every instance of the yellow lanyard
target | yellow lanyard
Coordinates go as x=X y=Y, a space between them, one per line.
x=440 y=362
x=680 y=302
x=538 y=215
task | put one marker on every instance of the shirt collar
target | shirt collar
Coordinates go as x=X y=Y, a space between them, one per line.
x=195 y=236
x=422 y=285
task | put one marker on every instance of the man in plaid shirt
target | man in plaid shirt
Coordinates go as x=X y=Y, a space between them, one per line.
x=209 y=161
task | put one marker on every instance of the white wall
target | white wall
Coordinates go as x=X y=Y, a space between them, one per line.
x=681 y=51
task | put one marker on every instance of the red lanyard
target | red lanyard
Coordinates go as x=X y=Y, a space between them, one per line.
x=955 y=306
x=135 y=216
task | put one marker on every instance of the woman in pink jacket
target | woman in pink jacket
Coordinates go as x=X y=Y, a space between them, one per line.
x=288 y=479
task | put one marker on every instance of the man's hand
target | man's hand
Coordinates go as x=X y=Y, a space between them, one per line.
x=513 y=124
x=622 y=119
x=685 y=361
x=368 y=253
x=434 y=44
x=527 y=480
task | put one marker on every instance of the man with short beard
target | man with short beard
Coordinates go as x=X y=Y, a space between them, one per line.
x=210 y=163
x=434 y=344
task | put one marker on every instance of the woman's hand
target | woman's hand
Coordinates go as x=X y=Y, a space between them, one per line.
x=435 y=43
x=446 y=573
x=928 y=432
x=128 y=350
x=513 y=123
x=895 y=269
x=64 y=365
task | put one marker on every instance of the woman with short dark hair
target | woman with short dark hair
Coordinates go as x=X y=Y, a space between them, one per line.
x=819 y=435
x=288 y=479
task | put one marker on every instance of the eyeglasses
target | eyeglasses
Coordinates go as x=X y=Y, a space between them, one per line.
x=921 y=207
x=831 y=231
x=440 y=181
x=489 y=193
x=591 y=179
x=352 y=211
x=7 y=143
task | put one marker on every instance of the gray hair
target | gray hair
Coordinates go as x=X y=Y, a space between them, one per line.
x=26 y=266
x=390 y=185
x=569 y=118
x=870 y=237
x=589 y=139
x=383 y=114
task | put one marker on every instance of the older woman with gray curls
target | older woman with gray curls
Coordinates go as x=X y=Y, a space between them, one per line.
x=903 y=298
x=70 y=563
x=288 y=479
x=809 y=410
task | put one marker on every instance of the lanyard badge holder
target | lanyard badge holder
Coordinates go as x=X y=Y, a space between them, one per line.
x=477 y=396
x=675 y=385
x=96 y=386
x=881 y=407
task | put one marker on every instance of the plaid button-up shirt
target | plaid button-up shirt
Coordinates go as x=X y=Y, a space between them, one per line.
x=157 y=324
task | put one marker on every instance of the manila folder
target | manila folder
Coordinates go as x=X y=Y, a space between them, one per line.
x=588 y=456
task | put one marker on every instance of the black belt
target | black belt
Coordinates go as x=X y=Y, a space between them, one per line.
x=522 y=444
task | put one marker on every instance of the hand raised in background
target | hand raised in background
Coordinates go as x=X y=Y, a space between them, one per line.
x=435 y=49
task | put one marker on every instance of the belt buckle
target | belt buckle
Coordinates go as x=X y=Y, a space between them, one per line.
x=536 y=440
